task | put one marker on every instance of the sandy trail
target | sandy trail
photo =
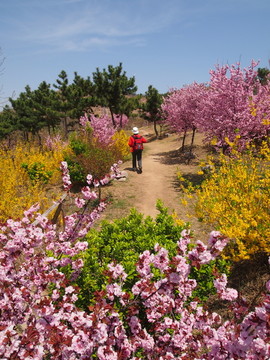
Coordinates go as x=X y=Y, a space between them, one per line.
x=161 y=161
x=158 y=180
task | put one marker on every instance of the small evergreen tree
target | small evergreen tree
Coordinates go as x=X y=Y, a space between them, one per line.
x=111 y=88
x=45 y=105
x=73 y=100
x=27 y=117
x=6 y=122
x=263 y=75
x=152 y=107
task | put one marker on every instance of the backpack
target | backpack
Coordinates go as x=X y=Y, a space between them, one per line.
x=138 y=144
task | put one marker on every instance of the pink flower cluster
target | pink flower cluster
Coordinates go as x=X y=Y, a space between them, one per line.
x=103 y=128
x=65 y=176
x=156 y=320
x=53 y=142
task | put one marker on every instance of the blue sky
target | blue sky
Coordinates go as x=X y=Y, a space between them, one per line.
x=163 y=43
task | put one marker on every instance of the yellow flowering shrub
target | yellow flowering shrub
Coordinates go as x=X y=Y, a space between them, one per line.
x=26 y=172
x=121 y=144
x=235 y=200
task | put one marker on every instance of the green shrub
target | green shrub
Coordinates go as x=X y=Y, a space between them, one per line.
x=76 y=171
x=77 y=145
x=97 y=161
x=123 y=240
x=37 y=172
x=205 y=277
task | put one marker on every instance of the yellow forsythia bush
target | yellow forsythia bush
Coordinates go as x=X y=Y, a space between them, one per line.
x=235 y=200
x=26 y=172
x=121 y=144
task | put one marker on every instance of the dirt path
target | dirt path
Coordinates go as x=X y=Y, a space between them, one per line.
x=161 y=162
x=159 y=179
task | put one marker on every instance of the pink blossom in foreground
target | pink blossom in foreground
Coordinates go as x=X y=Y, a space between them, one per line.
x=224 y=292
x=39 y=318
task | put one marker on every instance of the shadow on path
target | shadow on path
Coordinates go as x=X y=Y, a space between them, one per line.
x=177 y=157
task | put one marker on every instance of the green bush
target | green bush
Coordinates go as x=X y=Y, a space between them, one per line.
x=205 y=277
x=97 y=161
x=37 y=172
x=77 y=145
x=76 y=171
x=123 y=240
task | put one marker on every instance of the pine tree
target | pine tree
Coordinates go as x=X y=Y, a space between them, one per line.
x=73 y=100
x=152 y=107
x=27 y=117
x=111 y=88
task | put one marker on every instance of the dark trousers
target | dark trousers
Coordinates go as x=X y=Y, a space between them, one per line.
x=137 y=158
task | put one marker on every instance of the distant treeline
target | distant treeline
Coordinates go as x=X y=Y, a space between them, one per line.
x=63 y=103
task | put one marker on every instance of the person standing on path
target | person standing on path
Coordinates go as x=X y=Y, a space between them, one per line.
x=135 y=143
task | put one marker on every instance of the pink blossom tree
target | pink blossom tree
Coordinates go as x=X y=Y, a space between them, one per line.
x=181 y=109
x=232 y=107
x=102 y=126
x=236 y=106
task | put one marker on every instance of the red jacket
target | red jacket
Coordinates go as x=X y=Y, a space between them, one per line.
x=131 y=141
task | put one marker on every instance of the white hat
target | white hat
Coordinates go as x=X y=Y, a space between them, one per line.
x=135 y=130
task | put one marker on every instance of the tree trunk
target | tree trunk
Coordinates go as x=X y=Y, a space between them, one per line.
x=190 y=154
x=113 y=120
x=155 y=128
x=39 y=139
x=184 y=139
x=193 y=136
x=121 y=121
x=65 y=127
x=26 y=136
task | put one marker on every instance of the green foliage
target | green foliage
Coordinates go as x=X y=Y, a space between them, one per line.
x=76 y=171
x=45 y=107
x=97 y=161
x=122 y=241
x=112 y=87
x=205 y=277
x=152 y=106
x=34 y=110
x=37 y=172
x=27 y=116
x=77 y=146
x=6 y=122
x=263 y=75
x=72 y=100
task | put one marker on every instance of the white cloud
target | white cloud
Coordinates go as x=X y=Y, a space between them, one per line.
x=82 y=24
